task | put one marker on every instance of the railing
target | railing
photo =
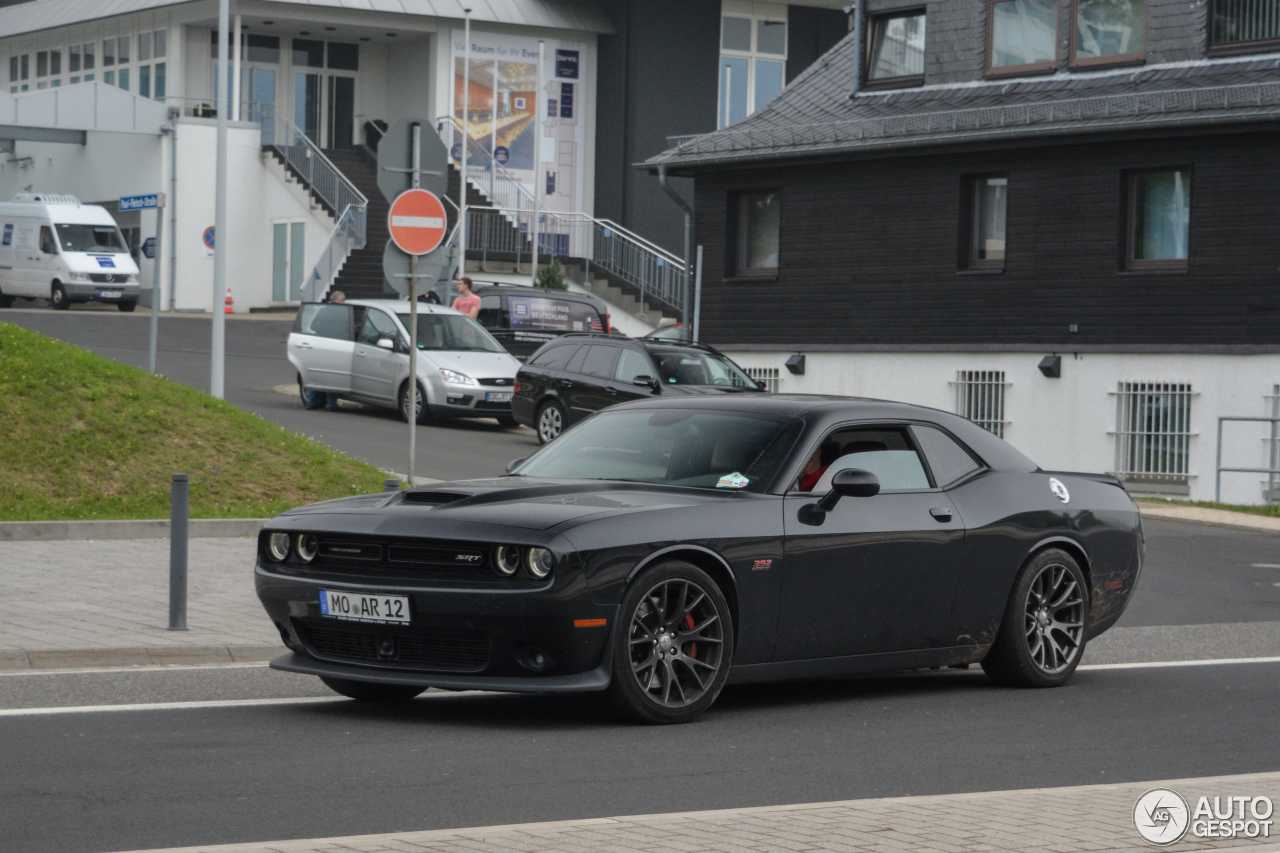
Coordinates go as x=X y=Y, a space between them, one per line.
x=1220 y=470
x=504 y=189
x=343 y=240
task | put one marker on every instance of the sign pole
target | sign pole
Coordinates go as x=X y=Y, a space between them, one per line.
x=155 y=287
x=219 y=337
x=415 y=181
x=466 y=138
x=537 y=165
x=493 y=139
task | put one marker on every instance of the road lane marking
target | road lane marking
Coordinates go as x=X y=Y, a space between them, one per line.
x=1266 y=565
x=1175 y=663
x=169 y=706
x=160 y=667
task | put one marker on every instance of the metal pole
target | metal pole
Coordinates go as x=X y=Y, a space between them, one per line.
x=1217 y=477
x=219 y=337
x=493 y=141
x=697 y=298
x=537 y=167
x=415 y=182
x=179 y=509
x=155 y=286
x=235 y=72
x=728 y=93
x=466 y=139
x=174 y=113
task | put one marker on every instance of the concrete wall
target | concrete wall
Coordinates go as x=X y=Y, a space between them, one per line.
x=1068 y=424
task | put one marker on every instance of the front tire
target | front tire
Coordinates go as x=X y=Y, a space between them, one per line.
x=1042 y=634
x=364 y=691
x=550 y=421
x=672 y=645
x=58 y=297
x=423 y=414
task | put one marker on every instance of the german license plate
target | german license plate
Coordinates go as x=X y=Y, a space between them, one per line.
x=355 y=607
x=497 y=397
x=109 y=294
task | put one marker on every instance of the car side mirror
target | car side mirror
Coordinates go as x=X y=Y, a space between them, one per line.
x=515 y=463
x=386 y=343
x=849 y=483
x=645 y=381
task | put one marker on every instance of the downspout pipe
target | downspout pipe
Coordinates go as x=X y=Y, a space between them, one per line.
x=688 y=243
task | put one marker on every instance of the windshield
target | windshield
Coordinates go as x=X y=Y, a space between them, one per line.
x=452 y=332
x=691 y=367
x=103 y=239
x=678 y=447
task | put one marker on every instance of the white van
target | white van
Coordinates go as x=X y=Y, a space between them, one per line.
x=53 y=247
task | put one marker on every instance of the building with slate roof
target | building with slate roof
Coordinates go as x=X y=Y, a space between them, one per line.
x=1056 y=217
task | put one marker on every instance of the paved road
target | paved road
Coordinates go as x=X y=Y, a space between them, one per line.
x=256 y=363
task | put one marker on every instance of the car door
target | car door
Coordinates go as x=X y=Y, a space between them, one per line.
x=376 y=371
x=632 y=363
x=323 y=346
x=874 y=574
x=590 y=371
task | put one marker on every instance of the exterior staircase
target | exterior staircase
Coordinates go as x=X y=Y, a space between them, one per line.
x=361 y=277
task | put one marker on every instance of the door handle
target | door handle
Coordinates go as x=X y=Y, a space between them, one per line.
x=941 y=513
x=302 y=345
x=612 y=392
x=359 y=354
x=567 y=383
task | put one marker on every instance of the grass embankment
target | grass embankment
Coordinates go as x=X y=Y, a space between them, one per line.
x=84 y=437
x=1271 y=510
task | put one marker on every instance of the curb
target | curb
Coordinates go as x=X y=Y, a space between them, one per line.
x=198 y=528
x=52 y=660
x=1205 y=515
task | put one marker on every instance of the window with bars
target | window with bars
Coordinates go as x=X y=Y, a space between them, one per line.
x=1245 y=24
x=980 y=398
x=1153 y=431
x=767 y=375
x=1271 y=485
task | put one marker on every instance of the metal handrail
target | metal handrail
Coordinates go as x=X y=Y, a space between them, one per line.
x=323 y=178
x=1217 y=480
x=346 y=236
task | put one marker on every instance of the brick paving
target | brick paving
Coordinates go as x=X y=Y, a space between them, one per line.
x=1058 y=820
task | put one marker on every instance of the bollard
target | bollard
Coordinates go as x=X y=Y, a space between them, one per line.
x=179 y=509
x=391 y=484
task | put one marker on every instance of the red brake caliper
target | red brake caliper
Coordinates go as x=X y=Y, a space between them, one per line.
x=693 y=647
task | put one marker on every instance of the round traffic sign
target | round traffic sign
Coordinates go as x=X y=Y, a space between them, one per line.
x=502 y=155
x=417 y=222
x=208 y=237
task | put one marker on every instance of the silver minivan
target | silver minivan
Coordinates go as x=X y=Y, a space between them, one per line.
x=359 y=351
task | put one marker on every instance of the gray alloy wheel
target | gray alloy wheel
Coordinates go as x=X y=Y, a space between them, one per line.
x=421 y=411
x=673 y=645
x=365 y=691
x=1042 y=635
x=550 y=422
x=58 y=297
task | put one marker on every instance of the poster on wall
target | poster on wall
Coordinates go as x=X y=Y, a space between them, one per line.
x=505 y=111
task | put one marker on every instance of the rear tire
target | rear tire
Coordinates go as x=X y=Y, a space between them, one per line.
x=127 y=307
x=550 y=421
x=423 y=413
x=672 y=645
x=58 y=297
x=364 y=691
x=1042 y=634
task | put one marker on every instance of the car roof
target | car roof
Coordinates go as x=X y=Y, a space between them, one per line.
x=647 y=343
x=395 y=306
x=827 y=410
x=573 y=295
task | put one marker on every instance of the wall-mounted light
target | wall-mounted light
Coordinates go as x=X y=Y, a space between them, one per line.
x=1051 y=366
x=795 y=364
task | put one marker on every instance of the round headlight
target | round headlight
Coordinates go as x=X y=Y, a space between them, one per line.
x=539 y=562
x=307 y=547
x=278 y=546
x=506 y=559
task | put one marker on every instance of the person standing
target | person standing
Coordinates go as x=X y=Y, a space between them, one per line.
x=467 y=302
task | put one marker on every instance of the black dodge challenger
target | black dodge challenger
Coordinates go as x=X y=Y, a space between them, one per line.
x=663 y=549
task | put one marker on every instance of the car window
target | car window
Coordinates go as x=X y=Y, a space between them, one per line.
x=46 y=241
x=886 y=452
x=451 y=332
x=575 y=363
x=377 y=325
x=99 y=239
x=632 y=364
x=554 y=358
x=548 y=314
x=947 y=459
x=699 y=367
x=491 y=314
x=326 y=321
x=599 y=361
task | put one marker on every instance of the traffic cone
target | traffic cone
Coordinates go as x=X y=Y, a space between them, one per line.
x=230 y=302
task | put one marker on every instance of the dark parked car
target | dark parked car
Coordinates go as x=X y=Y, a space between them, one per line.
x=663 y=549
x=672 y=332
x=578 y=375
x=525 y=318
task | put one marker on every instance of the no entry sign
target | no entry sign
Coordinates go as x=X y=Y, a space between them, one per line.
x=417 y=222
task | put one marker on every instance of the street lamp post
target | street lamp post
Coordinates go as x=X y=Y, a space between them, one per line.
x=219 y=337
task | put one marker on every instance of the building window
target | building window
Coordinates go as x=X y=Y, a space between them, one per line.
x=1153 y=431
x=986 y=205
x=980 y=398
x=1159 y=219
x=308 y=54
x=55 y=62
x=753 y=58
x=26 y=67
x=42 y=63
x=1109 y=32
x=73 y=58
x=769 y=376
x=88 y=56
x=144 y=81
x=344 y=57
x=124 y=78
x=108 y=77
x=161 y=45
x=122 y=50
x=1242 y=25
x=263 y=49
x=159 y=87
x=1023 y=35
x=144 y=47
x=13 y=69
x=897 y=49
x=108 y=53
x=756 y=225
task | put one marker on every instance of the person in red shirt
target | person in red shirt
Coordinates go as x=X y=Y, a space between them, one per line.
x=467 y=302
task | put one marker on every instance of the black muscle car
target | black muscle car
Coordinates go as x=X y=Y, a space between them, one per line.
x=662 y=549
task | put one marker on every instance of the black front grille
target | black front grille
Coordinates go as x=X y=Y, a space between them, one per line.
x=434 y=498
x=108 y=278
x=500 y=381
x=459 y=649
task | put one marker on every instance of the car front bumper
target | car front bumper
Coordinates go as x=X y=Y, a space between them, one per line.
x=468 y=401
x=91 y=290
x=458 y=637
